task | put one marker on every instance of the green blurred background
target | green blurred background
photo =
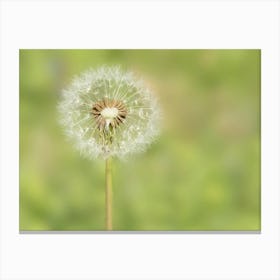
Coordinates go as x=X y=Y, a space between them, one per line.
x=203 y=172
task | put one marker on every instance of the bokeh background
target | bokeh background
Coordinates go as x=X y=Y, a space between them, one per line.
x=203 y=172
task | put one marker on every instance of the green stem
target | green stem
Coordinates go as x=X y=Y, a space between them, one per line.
x=109 y=194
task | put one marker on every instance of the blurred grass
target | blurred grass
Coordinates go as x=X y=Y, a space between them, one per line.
x=203 y=173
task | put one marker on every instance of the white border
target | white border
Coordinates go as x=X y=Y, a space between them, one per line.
x=153 y=24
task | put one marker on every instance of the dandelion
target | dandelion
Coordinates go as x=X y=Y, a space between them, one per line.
x=108 y=113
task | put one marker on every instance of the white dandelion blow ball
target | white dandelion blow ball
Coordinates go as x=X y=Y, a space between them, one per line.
x=109 y=112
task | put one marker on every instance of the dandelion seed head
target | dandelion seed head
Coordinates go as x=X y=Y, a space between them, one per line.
x=109 y=112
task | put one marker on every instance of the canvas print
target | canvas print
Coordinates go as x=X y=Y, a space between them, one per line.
x=139 y=140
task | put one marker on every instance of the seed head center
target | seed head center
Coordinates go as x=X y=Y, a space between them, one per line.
x=109 y=113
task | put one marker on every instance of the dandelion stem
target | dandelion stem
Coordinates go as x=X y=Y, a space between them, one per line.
x=109 y=194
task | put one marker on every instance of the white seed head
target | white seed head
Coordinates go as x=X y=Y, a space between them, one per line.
x=109 y=112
